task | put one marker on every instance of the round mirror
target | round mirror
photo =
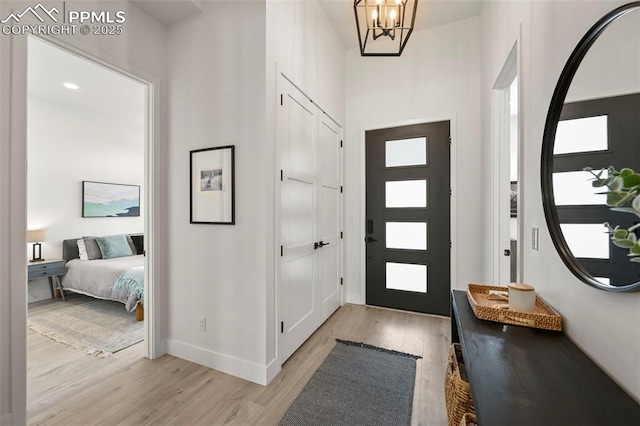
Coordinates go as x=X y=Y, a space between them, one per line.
x=590 y=168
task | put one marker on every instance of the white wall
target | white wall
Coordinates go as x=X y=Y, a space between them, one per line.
x=604 y=324
x=223 y=91
x=140 y=50
x=612 y=66
x=66 y=146
x=302 y=44
x=435 y=78
x=307 y=49
x=217 y=97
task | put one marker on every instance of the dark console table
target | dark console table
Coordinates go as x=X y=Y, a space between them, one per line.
x=524 y=376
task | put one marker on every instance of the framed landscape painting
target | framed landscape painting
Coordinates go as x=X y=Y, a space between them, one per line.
x=212 y=185
x=101 y=199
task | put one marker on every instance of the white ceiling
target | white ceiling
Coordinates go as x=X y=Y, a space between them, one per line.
x=430 y=13
x=102 y=90
x=168 y=12
x=105 y=91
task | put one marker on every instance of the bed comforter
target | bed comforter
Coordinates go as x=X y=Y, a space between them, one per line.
x=120 y=279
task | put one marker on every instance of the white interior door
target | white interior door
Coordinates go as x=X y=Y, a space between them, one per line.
x=299 y=313
x=309 y=266
x=329 y=215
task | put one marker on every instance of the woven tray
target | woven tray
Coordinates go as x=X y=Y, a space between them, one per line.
x=544 y=317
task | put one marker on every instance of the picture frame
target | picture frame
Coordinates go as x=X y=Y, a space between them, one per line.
x=212 y=185
x=103 y=199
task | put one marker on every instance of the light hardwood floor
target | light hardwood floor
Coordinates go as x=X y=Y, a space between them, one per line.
x=67 y=387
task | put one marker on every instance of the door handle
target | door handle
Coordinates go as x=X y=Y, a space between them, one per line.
x=370 y=240
x=507 y=252
x=319 y=244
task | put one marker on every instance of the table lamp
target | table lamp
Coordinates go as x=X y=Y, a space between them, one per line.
x=35 y=236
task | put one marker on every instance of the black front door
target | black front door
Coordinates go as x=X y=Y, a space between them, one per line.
x=408 y=240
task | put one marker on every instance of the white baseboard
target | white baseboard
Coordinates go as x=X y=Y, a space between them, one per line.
x=244 y=369
x=6 y=420
x=355 y=298
x=273 y=368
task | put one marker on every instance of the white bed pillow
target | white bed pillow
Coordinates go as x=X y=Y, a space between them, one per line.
x=82 y=250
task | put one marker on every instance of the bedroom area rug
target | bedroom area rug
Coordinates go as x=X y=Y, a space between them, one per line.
x=357 y=384
x=99 y=327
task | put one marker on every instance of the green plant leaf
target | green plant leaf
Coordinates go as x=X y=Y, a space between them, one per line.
x=626 y=172
x=613 y=199
x=626 y=244
x=635 y=259
x=616 y=184
x=631 y=180
x=620 y=234
x=635 y=250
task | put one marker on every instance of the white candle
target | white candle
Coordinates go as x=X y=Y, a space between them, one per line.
x=522 y=297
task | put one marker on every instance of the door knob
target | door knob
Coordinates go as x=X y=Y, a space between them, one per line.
x=507 y=252
x=319 y=244
x=370 y=240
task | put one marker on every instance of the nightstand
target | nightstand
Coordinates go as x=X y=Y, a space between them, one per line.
x=48 y=269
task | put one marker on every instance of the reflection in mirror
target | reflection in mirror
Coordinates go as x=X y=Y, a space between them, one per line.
x=575 y=189
x=597 y=127
x=581 y=135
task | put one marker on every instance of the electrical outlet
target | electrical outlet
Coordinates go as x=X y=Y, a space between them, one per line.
x=202 y=323
x=534 y=238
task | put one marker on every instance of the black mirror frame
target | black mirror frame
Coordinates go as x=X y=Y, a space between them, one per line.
x=548 y=141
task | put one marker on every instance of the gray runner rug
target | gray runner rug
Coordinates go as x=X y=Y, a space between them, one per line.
x=99 y=327
x=357 y=384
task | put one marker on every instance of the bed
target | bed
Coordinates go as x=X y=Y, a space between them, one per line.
x=120 y=278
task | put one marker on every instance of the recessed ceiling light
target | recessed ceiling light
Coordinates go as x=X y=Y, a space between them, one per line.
x=71 y=86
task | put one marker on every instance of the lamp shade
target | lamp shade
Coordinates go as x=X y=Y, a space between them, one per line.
x=36 y=235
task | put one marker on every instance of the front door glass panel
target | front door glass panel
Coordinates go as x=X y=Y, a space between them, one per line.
x=406 y=235
x=406 y=193
x=406 y=277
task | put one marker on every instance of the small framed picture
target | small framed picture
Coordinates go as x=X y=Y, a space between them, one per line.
x=212 y=185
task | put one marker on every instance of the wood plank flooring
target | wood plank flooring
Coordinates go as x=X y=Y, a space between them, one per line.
x=67 y=387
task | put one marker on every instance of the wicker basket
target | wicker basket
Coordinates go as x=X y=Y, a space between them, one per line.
x=484 y=307
x=469 y=419
x=457 y=391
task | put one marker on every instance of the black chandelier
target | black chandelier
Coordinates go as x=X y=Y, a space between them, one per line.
x=384 y=26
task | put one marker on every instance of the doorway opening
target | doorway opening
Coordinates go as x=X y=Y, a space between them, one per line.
x=408 y=238
x=89 y=146
x=507 y=183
